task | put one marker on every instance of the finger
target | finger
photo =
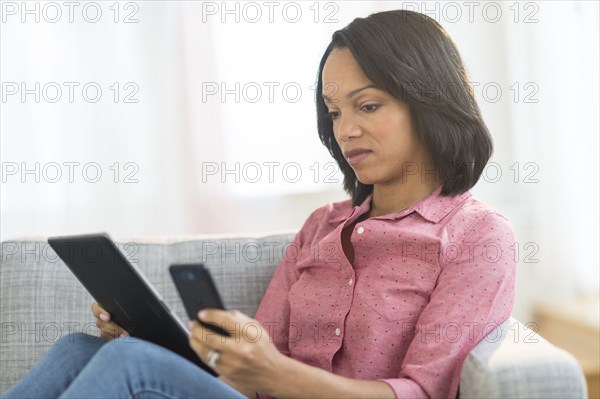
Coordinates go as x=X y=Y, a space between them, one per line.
x=199 y=347
x=209 y=338
x=212 y=315
x=226 y=319
x=216 y=316
x=110 y=334
x=238 y=324
x=102 y=321
x=202 y=351
x=99 y=312
x=106 y=334
x=105 y=328
x=111 y=328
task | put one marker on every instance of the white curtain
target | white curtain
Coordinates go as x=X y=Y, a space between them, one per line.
x=213 y=130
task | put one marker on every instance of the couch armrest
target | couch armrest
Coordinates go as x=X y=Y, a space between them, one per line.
x=513 y=361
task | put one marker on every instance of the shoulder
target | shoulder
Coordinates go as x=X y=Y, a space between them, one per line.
x=475 y=218
x=477 y=234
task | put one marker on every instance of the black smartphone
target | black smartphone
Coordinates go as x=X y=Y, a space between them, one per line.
x=197 y=291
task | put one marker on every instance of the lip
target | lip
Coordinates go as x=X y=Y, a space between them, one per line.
x=356 y=155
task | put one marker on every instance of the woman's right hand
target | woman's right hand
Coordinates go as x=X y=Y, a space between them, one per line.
x=108 y=329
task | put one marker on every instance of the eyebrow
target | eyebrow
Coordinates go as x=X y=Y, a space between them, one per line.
x=352 y=93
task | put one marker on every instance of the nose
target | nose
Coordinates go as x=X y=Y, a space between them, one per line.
x=347 y=127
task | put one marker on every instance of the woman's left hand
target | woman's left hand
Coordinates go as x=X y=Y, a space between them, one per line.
x=248 y=357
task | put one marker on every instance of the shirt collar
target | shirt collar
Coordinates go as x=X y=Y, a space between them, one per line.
x=433 y=208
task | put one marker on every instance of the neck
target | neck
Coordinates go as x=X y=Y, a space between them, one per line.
x=395 y=197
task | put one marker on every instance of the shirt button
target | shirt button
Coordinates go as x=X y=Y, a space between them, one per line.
x=338 y=331
x=350 y=282
x=360 y=230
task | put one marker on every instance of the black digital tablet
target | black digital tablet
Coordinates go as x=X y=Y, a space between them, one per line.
x=120 y=288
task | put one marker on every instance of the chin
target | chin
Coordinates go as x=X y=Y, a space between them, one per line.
x=366 y=179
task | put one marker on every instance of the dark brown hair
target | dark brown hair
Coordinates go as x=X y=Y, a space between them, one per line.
x=411 y=56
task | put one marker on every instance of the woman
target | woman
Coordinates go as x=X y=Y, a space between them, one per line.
x=382 y=295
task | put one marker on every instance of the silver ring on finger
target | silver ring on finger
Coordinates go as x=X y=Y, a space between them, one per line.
x=212 y=358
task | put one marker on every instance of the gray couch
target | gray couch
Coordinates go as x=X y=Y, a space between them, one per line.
x=40 y=301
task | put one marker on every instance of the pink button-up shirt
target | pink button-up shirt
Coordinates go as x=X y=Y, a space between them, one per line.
x=426 y=285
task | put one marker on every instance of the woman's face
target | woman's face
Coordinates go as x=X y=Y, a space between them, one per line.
x=372 y=128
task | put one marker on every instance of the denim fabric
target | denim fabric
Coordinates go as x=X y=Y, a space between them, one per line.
x=83 y=366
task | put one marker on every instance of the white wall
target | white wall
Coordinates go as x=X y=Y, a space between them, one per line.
x=546 y=141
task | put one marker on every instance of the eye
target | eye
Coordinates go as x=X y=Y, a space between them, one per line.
x=333 y=115
x=370 y=107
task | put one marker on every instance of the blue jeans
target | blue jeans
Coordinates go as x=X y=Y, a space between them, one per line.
x=83 y=366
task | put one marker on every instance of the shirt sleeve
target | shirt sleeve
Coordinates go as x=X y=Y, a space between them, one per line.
x=273 y=312
x=474 y=294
